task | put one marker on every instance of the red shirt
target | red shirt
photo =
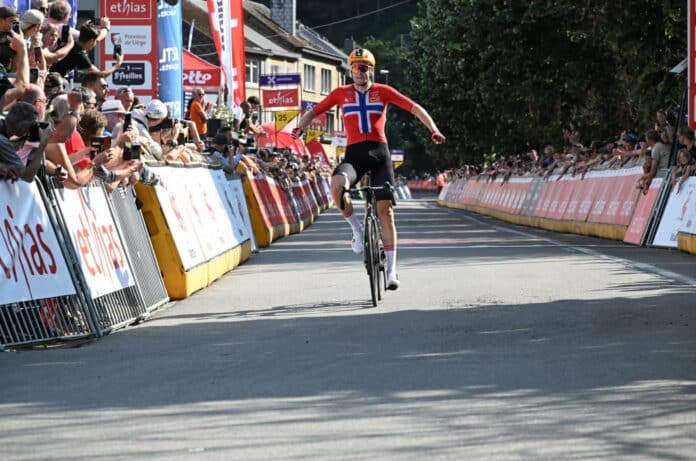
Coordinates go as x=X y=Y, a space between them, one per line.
x=364 y=114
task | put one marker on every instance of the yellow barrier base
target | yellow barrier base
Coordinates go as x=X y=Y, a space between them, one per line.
x=607 y=231
x=686 y=242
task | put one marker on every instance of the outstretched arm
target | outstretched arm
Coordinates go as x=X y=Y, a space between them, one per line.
x=425 y=118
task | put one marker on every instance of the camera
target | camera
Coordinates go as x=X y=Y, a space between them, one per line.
x=118 y=51
x=34 y=131
x=132 y=152
x=100 y=143
x=15 y=27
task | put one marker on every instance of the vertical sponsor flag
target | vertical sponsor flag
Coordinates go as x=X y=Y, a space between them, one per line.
x=313 y=134
x=227 y=27
x=283 y=117
x=238 y=53
x=169 y=39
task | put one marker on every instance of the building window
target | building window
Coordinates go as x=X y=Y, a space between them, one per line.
x=275 y=69
x=252 y=71
x=330 y=123
x=325 y=81
x=309 y=79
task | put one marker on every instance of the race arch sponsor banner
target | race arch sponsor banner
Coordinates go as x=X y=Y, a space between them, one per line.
x=641 y=215
x=676 y=216
x=96 y=240
x=31 y=261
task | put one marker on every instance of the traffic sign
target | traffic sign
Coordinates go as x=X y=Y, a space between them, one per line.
x=279 y=79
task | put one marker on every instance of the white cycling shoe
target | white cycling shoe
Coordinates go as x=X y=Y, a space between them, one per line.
x=392 y=282
x=357 y=243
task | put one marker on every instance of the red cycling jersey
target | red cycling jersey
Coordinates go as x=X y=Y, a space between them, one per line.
x=364 y=114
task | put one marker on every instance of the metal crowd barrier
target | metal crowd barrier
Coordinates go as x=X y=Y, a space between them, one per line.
x=79 y=316
x=138 y=246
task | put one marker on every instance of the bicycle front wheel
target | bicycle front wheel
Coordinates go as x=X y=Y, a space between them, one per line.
x=372 y=258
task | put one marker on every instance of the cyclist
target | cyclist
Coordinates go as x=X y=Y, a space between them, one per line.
x=364 y=107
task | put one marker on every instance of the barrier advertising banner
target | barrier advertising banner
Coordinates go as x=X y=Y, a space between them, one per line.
x=689 y=222
x=641 y=216
x=237 y=189
x=676 y=215
x=196 y=215
x=95 y=239
x=169 y=39
x=232 y=205
x=31 y=261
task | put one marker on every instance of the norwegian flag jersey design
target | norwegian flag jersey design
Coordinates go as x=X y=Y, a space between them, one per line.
x=364 y=114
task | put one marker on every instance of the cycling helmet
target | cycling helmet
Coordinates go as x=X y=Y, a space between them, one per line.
x=361 y=55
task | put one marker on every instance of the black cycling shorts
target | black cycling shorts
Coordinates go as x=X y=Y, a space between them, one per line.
x=368 y=156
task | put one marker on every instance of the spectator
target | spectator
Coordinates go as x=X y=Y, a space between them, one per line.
x=97 y=83
x=659 y=158
x=54 y=84
x=35 y=96
x=145 y=119
x=115 y=113
x=686 y=139
x=18 y=125
x=65 y=119
x=126 y=96
x=60 y=12
x=40 y=5
x=683 y=168
x=31 y=23
x=78 y=58
x=198 y=114
x=8 y=15
x=662 y=125
x=49 y=40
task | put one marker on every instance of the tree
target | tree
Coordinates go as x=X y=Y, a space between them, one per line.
x=506 y=74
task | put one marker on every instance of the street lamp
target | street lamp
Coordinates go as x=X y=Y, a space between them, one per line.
x=385 y=72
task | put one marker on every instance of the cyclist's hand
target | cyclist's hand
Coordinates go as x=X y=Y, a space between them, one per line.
x=296 y=133
x=437 y=137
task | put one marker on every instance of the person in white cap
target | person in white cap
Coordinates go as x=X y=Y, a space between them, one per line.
x=144 y=119
x=31 y=23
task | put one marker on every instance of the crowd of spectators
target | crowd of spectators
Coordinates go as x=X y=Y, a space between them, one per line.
x=650 y=150
x=61 y=119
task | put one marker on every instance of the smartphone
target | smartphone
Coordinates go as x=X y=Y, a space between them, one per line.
x=132 y=152
x=118 y=51
x=100 y=143
x=15 y=27
x=38 y=54
x=65 y=33
x=34 y=133
x=127 y=122
x=33 y=75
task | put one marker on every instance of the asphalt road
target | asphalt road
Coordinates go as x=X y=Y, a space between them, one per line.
x=502 y=343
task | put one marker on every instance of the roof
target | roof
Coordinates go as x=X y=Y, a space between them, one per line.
x=258 y=16
x=262 y=35
x=261 y=44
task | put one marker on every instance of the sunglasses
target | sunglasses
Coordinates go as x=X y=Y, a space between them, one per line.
x=361 y=68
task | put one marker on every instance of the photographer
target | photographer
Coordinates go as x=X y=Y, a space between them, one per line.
x=49 y=39
x=143 y=120
x=229 y=154
x=24 y=157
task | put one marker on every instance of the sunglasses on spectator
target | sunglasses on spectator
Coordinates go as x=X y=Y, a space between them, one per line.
x=361 y=68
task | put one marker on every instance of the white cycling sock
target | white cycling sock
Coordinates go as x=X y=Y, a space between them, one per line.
x=390 y=251
x=354 y=222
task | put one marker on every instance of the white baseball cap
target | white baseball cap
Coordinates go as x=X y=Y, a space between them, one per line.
x=156 y=110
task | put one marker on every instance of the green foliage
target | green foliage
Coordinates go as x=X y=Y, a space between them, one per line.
x=500 y=75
